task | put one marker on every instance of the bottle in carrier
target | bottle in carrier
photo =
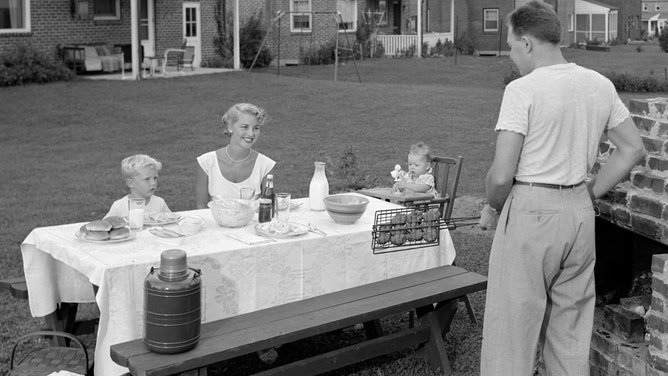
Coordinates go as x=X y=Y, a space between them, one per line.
x=267 y=201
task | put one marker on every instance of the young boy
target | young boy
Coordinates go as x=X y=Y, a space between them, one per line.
x=141 y=175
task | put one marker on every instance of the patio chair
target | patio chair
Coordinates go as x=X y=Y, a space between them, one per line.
x=187 y=58
x=38 y=358
x=172 y=61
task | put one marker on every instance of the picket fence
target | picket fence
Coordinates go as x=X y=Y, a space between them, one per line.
x=394 y=44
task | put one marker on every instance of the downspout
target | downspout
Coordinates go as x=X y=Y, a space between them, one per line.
x=419 y=29
x=134 y=37
x=237 y=58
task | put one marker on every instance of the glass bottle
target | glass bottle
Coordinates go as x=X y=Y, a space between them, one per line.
x=267 y=201
x=319 y=187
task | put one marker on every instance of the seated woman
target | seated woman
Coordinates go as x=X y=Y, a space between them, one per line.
x=224 y=172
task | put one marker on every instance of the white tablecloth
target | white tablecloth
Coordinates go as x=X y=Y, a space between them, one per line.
x=236 y=278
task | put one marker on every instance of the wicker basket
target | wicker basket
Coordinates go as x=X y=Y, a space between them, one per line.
x=40 y=360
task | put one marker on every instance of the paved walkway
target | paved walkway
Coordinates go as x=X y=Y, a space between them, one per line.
x=170 y=74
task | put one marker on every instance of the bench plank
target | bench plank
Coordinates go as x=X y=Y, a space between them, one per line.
x=243 y=334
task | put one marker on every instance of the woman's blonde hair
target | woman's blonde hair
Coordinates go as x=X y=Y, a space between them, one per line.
x=132 y=164
x=232 y=115
x=421 y=149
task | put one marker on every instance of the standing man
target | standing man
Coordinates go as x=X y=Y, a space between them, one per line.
x=540 y=289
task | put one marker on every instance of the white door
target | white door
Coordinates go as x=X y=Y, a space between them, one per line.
x=147 y=27
x=191 y=29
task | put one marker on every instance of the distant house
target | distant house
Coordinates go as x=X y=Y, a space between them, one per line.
x=654 y=16
x=295 y=26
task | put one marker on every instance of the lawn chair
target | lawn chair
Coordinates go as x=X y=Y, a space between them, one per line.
x=187 y=59
x=38 y=358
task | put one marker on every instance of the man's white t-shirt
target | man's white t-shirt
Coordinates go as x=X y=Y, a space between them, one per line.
x=561 y=110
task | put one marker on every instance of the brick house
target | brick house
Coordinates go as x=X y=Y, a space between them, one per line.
x=294 y=25
x=654 y=17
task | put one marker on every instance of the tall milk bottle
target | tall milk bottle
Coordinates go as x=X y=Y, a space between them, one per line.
x=319 y=187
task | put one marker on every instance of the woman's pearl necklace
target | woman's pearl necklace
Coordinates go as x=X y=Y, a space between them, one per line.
x=230 y=158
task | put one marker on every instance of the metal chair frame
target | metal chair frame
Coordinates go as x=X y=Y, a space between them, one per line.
x=47 y=359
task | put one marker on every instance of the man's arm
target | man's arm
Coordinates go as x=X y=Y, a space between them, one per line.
x=629 y=150
x=499 y=179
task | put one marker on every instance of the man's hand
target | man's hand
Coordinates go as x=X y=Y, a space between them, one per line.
x=488 y=218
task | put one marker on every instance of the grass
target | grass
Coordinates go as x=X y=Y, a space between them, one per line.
x=61 y=145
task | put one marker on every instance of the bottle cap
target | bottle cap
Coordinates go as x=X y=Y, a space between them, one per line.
x=173 y=265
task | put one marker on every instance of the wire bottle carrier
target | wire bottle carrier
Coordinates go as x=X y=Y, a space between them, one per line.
x=409 y=228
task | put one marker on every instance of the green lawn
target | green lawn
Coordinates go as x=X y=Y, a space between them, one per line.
x=61 y=146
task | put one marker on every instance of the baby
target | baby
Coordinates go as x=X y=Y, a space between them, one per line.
x=141 y=176
x=418 y=178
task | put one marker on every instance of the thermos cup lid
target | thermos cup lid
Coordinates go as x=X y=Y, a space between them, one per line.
x=173 y=264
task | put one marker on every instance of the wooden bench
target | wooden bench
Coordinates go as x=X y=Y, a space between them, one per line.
x=63 y=319
x=433 y=293
x=16 y=286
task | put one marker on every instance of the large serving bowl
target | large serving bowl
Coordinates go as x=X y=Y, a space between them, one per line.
x=233 y=213
x=345 y=209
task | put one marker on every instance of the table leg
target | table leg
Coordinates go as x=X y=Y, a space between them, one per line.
x=62 y=320
x=438 y=318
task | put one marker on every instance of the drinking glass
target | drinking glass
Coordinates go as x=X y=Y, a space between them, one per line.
x=283 y=207
x=247 y=193
x=136 y=213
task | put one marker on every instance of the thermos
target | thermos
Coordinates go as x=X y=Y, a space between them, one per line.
x=172 y=305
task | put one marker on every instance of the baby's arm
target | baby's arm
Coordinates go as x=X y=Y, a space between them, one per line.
x=421 y=184
x=415 y=187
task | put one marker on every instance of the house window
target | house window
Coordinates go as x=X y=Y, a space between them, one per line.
x=570 y=22
x=300 y=22
x=645 y=7
x=107 y=9
x=658 y=6
x=377 y=12
x=14 y=16
x=348 y=11
x=490 y=20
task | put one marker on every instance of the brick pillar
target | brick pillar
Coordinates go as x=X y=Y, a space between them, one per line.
x=640 y=204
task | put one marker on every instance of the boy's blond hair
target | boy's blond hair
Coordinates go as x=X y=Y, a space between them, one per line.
x=131 y=164
x=421 y=149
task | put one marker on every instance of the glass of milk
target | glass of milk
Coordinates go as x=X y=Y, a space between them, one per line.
x=136 y=213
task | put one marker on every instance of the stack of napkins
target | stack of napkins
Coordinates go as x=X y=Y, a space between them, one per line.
x=245 y=235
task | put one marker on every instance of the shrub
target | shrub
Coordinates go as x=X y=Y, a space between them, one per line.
x=663 y=39
x=637 y=84
x=252 y=35
x=406 y=52
x=223 y=42
x=24 y=65
x=511 y=76
x=465 y=45
x=346 y=174
x=321 y=55
x=365 y=43
x=442 y=49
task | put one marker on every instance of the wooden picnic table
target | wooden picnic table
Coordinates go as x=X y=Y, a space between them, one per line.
x=237 y=278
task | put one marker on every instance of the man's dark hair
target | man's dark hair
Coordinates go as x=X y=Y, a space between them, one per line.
x=538 y=20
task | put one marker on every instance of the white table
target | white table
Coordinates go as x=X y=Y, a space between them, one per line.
x=236 y=277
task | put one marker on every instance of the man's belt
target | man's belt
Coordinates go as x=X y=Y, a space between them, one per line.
x=549 y=186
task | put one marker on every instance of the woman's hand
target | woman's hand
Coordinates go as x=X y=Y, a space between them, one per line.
x=488 y=218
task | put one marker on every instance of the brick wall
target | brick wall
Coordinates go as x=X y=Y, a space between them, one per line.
x=640 y=204
x=53 y=24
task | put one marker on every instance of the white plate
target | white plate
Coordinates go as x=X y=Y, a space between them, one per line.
x=272 y=229
x=167 y=218
x=79 y=235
